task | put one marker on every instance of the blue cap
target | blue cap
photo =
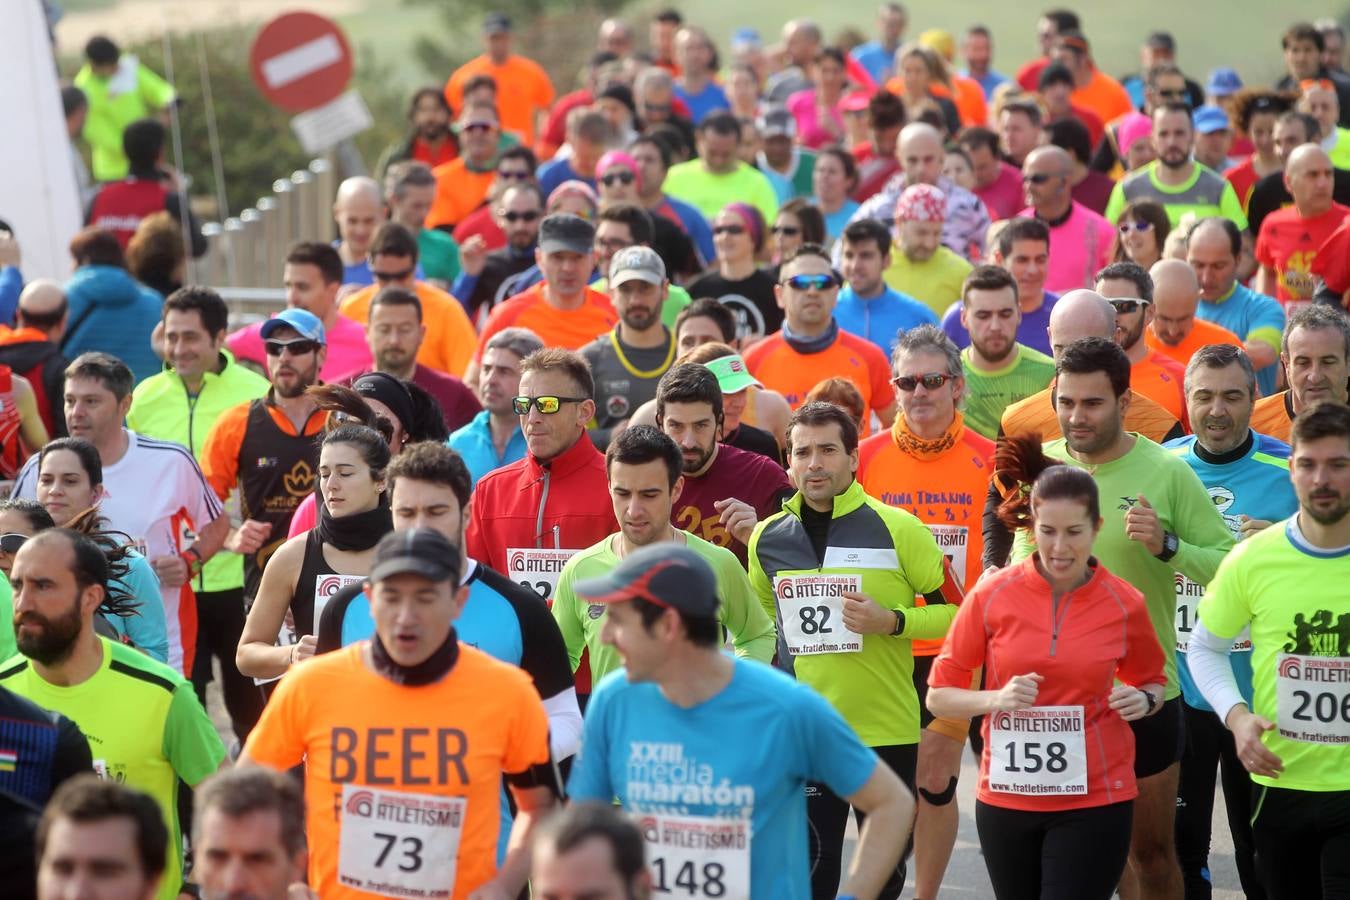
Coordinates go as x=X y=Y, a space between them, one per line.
x=1222 y=82
x=1209 y=119
x=746 y=36
x=303 y=321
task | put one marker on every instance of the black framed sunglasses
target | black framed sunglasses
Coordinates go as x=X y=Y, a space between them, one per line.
x=400 y=275
x=1037 y=178
x=786 y=230
x=930 y=380
x=295 y=348
x=547 y=405
x=614 y=178
x=10 y=542
x=528 y=216
x=514 y=174
x=1127 y=305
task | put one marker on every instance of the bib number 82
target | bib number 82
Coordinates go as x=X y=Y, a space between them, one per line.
x=410 y=851
x=815 y=620
x=687 y=879
x=1054 y=760
x=1323 y=707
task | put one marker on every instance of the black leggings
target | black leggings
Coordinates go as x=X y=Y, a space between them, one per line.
x=1302 y=843
x=220 y=622
x=1077 y=854
x=1209 y=744
x=827 y=820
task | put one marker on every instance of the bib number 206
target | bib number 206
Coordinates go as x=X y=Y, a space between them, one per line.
x=689 y=879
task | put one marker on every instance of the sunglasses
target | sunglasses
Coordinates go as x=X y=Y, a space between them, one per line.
x=1128 y=305
x=1127 y=227
x=786 y=230
x=546 y=405
x=810 y=282
x=477 y=126
x=12 y=541
x=514 y=174
x=400 y=275
x=656 y=107
x=931 y=381
x=527 y=216
x=1037 y=178
x=729 y=229
x=617 y=178
x=1174 y=94
x=295 y=348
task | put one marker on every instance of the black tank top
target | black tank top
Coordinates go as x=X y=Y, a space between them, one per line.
x=276 y=472
x=316 y=575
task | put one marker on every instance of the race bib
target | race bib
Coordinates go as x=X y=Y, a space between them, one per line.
x=698 y=856
x=399 y=844
x=1188 y=601
x=1312 y=696
x=812 y=609
x=325 y=586
x=537 y=569
x=953 y=540
x=1040 y=750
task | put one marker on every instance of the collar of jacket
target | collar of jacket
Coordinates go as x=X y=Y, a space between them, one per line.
x=573 y=459
x=226 y=362
x=849 y=501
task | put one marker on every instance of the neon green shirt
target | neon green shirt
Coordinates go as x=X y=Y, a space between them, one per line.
x=1205 y=193
x=162 y=408
x=935 y=282
x=989 y=393
x=894 y=557
x=133 y=92
x=752 y=632
x=1294 y=597
x=1184 y=508
x=8 y=647
x=709 y=192
x=145 y=727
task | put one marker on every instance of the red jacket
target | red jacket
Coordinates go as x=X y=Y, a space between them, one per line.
x=563 y=504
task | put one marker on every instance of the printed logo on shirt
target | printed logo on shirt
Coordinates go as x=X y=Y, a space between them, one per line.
x=299 y=481
x=1321 y=634
x=1127 y=503
x=662 y=778
x=265 y=462
x=617 y=406
x=595 y=610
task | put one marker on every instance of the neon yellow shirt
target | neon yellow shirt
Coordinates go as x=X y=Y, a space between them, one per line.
x=132 y=92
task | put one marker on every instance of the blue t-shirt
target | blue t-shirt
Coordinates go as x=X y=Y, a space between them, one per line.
x=880 y=319
x=555 y=172
x=836 y=221
x=876 y=59
x=1242 y=312
x=146 y=630
x=709 y=100
x=473 y=442
x=746 y=753
x=1034 y=332
x=1256 y=486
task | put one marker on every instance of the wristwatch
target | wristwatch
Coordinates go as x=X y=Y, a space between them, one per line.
x=1150 y=699
x=193 y=558
x=899 y=623
x=1170 y=545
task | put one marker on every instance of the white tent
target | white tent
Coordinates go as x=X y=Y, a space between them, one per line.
x=37 y=182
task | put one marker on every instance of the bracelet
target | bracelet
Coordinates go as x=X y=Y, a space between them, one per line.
x=293 y=649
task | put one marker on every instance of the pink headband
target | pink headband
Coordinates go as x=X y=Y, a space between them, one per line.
x=619 y=158
x=753 y=219
x=574 y=187
x=1136 y=127
x=921 y=203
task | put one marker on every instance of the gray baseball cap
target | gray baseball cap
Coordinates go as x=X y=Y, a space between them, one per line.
x=566 y=233
x=777 y=122
x=636 y=264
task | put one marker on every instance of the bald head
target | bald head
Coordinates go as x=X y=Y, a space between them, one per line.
x=1309 y=176
x=1045 y=179
x=1176 y=295
x=1049 y=157
x=358 y=189
x=919 y=151
x=42 y=305
x=1080 y=314
x=359 y=209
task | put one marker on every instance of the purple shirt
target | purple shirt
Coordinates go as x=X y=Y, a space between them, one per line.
x=1004 y=196
x=1034 y=332
x=348 y=353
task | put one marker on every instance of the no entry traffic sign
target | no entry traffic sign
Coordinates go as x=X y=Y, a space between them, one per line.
x=301 y=60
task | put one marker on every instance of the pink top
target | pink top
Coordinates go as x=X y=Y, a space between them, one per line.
x=810 y=132
x=348 y=353
x=1079 y=246
x=306 y=516
x=1004 y=196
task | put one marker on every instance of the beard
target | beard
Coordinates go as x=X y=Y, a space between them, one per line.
x=1334 y=516
x=692 y=466
x=56 y=638
x=1133 y=335
x=641 y=319
x=989 y=353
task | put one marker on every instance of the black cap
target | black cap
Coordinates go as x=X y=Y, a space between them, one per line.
x=564 y=232
x=668 y=575
x=417 y=551
x=496 y=23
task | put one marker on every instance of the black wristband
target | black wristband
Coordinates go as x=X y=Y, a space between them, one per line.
x=899 y=623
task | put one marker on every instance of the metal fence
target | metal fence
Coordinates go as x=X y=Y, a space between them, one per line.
x=246 y=253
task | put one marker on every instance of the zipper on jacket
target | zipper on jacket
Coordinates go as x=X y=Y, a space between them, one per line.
x=539 y=519
x=192 y=412
x=1056 y=619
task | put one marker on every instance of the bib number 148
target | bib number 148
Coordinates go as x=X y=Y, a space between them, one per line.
x=689 y=879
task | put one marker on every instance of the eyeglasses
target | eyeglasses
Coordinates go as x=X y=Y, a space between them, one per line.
x=617 y=178
x=1127 y=305
x=1174 y=94
x=546 y=405
x=656 y=107
x=1127 y=227
x=809 y=282
x=612 y=243
x=1037 y=178
x=528 y=216
x=786 y=230
x=514 y=174
x=729 y=229
x=12 y=541
x=477 y=126
x=294 y=348
x=930 y=380
x=400 y=275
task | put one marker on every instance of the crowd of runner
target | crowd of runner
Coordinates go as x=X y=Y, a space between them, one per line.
x=650 y=477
